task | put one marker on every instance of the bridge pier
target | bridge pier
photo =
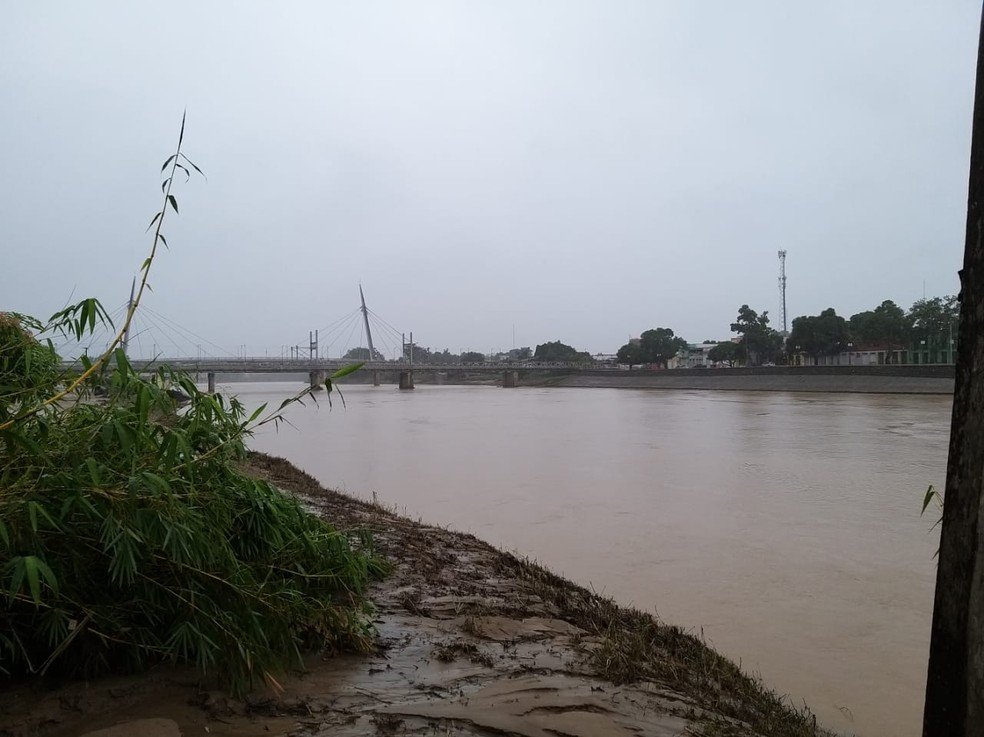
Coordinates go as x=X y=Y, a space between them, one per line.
x=210 y=378
x=316 y=379
x=510 y=379
x=406 y=379
x=375 y=377
x=440 y=377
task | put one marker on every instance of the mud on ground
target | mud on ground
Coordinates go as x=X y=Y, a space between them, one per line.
x=471 y=641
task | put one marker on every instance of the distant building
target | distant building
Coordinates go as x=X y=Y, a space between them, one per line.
x=695 y=355
x=921 y=352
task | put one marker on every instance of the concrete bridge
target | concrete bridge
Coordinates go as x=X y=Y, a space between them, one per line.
x=887 y=378
x=320 y=369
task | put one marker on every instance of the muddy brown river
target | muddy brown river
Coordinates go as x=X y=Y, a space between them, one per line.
x=784 y=527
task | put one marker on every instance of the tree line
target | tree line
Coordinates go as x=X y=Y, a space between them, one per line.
x=929 y=326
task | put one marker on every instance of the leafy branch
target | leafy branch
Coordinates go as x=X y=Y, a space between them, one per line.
x=80 y=318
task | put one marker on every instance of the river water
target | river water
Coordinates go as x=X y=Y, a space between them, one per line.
x=785 y=527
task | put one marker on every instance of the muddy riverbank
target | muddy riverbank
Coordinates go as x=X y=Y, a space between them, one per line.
x=471 y=641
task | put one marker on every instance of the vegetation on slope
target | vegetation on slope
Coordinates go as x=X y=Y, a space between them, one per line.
x=128 y=536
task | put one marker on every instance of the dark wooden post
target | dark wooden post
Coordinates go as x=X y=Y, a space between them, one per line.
x=955 y=684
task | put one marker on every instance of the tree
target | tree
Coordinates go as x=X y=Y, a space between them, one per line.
x=472 y=357
x=825 y=334
x=935 y=324
x=759 y=343
x=557 y=352
x=659 y=345
x=724 y=353
x=630 y=353
x=521 y=354
x=362 y=354
x=955 y=678
x=885 y=326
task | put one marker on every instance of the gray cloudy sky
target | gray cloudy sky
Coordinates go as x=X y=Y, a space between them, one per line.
x=581 y=170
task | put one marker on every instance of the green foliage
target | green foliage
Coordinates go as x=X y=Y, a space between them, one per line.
x=659 y=345
x=724 y=353
x=656 y=346
x=759 y=343
x=934 y=329
x=129 y=535
x=557 y=352
x=362 y=354
x=885 y=326
x=935 y=317
x=819 y=335
x=630 y=354
x=472 y=357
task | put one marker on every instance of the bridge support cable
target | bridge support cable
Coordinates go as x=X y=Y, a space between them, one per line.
x=376 y=333
x=335 y=332
x=187 y=334
x=163 y=336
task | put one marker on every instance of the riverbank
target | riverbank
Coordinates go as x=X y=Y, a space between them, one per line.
x=823 y=379
x=471 y=641
x=780 y=381
x=908 y=379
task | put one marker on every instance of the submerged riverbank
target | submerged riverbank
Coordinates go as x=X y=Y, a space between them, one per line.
x=471 y=641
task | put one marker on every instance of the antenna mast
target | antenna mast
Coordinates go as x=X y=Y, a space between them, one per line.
x=782 y=289
x=365 y=318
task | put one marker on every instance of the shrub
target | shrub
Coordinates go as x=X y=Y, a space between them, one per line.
x=129 y=534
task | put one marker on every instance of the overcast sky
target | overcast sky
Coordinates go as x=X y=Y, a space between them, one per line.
x=580 y=171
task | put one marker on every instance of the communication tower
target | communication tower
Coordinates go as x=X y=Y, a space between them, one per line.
x=782 y=289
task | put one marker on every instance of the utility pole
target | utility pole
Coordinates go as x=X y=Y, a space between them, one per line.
x=782 y=289
x=955 y=679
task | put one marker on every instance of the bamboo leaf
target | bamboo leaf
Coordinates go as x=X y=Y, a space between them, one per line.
x=123 y=435
x=157 y=482
x=24 y=441
x=93 y=471
x=167 y=161
x=154 y=220
x=173 y=202
x=193 y=165
x=17 y=569
x=346 y=370
x=143 y=404
x=33 y=580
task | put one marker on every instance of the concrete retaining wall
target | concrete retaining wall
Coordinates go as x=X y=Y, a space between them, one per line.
x=874 y=379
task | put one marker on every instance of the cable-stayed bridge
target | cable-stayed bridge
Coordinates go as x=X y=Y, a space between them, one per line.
x=154 y=340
